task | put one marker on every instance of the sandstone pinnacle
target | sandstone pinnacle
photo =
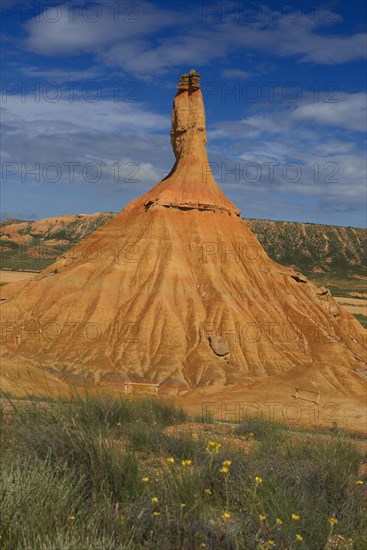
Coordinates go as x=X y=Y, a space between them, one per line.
x=177 y=290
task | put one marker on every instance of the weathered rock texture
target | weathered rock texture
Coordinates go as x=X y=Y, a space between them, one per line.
x=148 y=294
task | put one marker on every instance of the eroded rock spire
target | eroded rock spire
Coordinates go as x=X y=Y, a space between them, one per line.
x=188 y=115
x=177 y=291
x=190 y=184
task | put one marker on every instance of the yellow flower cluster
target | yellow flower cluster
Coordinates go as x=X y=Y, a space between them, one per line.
x=258 y=480
x=186 y=463
x=212 y=447
x=171 y=460
x=225 y=467
x=155 y=512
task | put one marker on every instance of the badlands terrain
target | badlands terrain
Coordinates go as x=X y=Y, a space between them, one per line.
x=331 y=256
x=179 y=290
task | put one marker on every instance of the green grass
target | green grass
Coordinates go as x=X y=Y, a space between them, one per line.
x=361 y=318
x=341 y=282
x=82 y=475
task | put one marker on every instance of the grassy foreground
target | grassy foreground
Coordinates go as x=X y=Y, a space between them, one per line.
x=119 y=474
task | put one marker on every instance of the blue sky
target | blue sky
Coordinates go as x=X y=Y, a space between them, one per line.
x=87 y=92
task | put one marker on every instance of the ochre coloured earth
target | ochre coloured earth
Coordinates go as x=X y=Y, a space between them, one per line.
x=177 y=290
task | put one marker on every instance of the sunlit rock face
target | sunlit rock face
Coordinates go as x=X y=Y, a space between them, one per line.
x=190 y=183
x=177 y=290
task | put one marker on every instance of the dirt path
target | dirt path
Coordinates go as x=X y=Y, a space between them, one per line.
x=354 y=305
x=15 y=276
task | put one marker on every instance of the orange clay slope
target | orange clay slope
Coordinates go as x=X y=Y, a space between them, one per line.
x=177 y=290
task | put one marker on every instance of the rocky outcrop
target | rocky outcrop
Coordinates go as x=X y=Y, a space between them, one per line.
x=188 y=116
x=177 y=290
x=190 y=184
x=322 y=291
x=219 y=345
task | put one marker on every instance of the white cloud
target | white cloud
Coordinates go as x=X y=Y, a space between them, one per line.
x=148 y=173
x=236 y=73
x=265 y=152
x=70 y=116
x=136 y=48
x=60 y=75
x=123 y=141
x=71 y=29
x=348 y=111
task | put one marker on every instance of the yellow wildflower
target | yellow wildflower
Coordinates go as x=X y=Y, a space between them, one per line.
x=359 y=482
x=72 y=518
x=262 y=517
x=227 y=463
x=171 y=460
x=278 y=521
x=213 y=447
x=299 y=538
x=296 y=517
x=224 y=470
x=183 y=505
x=258 y=480
x=333 y=521
x=226 y=516
x=145 y=479
x=186 y=463
x=208 y=492
x=270 y=542
x=156 y=513
x=154 y=500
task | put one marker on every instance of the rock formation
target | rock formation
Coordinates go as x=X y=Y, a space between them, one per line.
x=176 y=289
